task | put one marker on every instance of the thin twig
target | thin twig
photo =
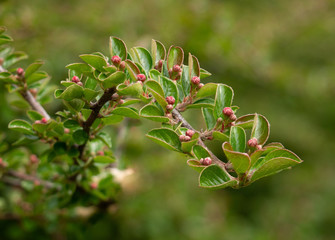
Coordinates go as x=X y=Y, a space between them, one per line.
x=185 y=124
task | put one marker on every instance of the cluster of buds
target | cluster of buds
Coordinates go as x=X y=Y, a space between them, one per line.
x=141 y=78
x=253 y=143
x=2 y=163
x=206 y=161
x=76 y=80
x=42 y=121
x=187 y=137
x=117 y=62
x=175 y=72
x=196 y=81
x=229 y=113
x=159 y=65
x=170 y=100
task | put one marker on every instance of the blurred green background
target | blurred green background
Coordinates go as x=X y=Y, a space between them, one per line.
x=279 y=56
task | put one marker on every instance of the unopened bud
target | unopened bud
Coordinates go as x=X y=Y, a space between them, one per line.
x=169 y=115
x=20 y=71
x=190 y=133
x=176 y=68
x=170 y=99
x=75 y=79
x=122 y=66
x=252 y=142
x=187 y=138
x=1 y=61
x=141 y=77
x=200 y=85
x=66 y=130
x=38 y=122
x=259 y=147
x=121 y=101
x=116 y=60
x=94 y=185
x=33 y=91
x=169 y=107
x=37 y=183
x=182 y=138
x=232 y=117
x=80 y=84
x=195 y=80
x=44 y=120
x=227 y=111
x=100 y=153
x=206 y=161
x=33 y=158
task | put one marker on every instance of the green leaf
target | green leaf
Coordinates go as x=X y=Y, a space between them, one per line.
x=214 y=177
x=113 y=80
x=71 y=124
x=241 y=161
x=80 y=67
x=135 y=89
x=33 y=68
x=273 y=166
x=112 y=119
x=158 y=51
x=219 y=136
x=103 y=159
x=142 y=56
x=170 y=89
x=70 y=93
x=153 y=113
x=91 y=83
x=21 y=126
x=237 y=139
x=132 y=70
x=13 y=58
x=223 y=98
x=261 y=129
x=117 y=48
x=194 y=66
x=204 y=73
x=156 y=90
x=80 y=136
x=246 y=121
x=202 y=103
x=195 y=164
x=106 y=138
x=187 y=146
x=34 y=115
x=175 y=56
x=75 y=105
x=36 y=76
x=254 y=157
x=7 y=77
x=126 y=112
x=5 y=39
x=207 y=90
x=185 y=80
x=200 y=152
x=210 y=121
x=155 y=75
x=90 y=94
x=166 y=138
x=94 y=61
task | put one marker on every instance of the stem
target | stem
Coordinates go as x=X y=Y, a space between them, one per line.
x=176 y=114
x=94 y=115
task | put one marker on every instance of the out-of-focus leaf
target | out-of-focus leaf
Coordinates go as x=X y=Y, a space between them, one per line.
x=80 y=136
x=14 y=58
x=33 y=68
x=106 y=138
x=103 y=159
x=21 y=126
x=36 y=76
x=112 y=119
x=34 y=115
x=204 y=73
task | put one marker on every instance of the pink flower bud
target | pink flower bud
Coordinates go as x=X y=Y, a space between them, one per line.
x=116 y=60
x=94 y=185
x=200 y=85
x=121 y=101
x=170 y=99
x=33 y=159
x=38 y=122
x=20 y=71
x=189 y=133
x=259 y=147
x=80 y=84
x=182 y=138
x=141 y=77
x=195 y=80
x=176 y=68
x=169 y=107
x=187 y=138
x=100 y=153
x=232 y=117
x=44 y=120
x=252 y=142
x=169 y=115
x=75 y=79
x=66 y=130
x=206 y=161
x=227 y=111
x=122 y=66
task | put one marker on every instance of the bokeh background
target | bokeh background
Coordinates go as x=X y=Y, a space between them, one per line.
x=279 y=56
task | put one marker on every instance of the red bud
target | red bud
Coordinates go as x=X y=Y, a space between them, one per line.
x=176 y=68
x=189 y=133
x=227 y=111
x=169 y=107
x=44 y=120
x=20 y=71
x=116 y=60
x=94 y=185
x=206 y=161
x=33 y=158
x=170 y=99
x=75 y=79
x=252 y=142
x=141 y=77
x=195 y=80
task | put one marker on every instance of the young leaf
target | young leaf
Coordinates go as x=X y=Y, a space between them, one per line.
x=202 y=103
x=210 y=121
x=185 y=80
x=106 y=138
x=241 y=161
x=214 y=177
x=33 y=68
x=245 y=121
x=155 y=75
x=14 y=58
x=95 y=61
x=261 y=129
x=142 y=56
x=117 y=48
x=113 y=80
x=200 y=152
x=170 y=89
x=158 y=51
x=21 y=126
x=223 y=98
x=166 y=138
x=194 y=66
x=219 y=136
x=112 y=119
x=132 y=70
x=36 y=76
x=156 y=90
x=79 y=67
x=103 y=159
x=207 y=90
x=175 y=56
x=34 y=115
x=153 y=113
x=204 y=73
x=237 y=139
x=80 y=136
x=134 y=89
x=196 y=165
x=126 y=112
x=70 y=93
